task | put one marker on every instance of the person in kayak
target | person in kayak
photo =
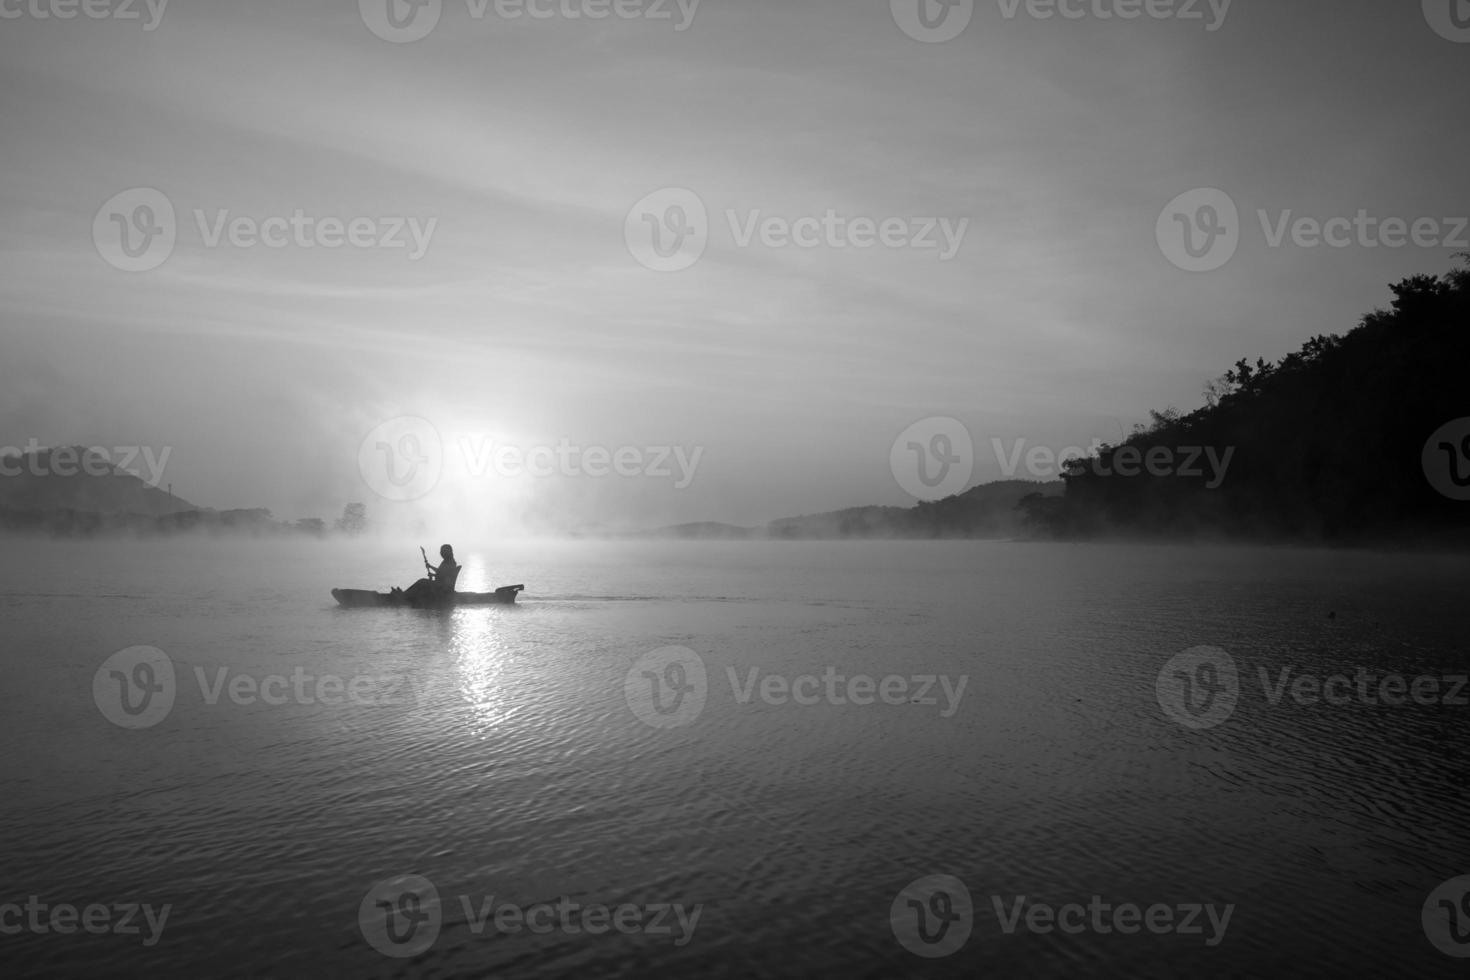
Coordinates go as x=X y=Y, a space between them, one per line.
x=441 y=580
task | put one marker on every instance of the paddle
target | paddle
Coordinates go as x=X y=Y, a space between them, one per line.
x=426 y=561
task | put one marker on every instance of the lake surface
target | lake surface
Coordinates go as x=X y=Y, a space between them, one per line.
x=538 y=760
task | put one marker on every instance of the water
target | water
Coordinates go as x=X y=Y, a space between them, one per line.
x=494 y=752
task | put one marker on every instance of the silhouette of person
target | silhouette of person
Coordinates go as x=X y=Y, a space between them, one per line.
x=441 y=580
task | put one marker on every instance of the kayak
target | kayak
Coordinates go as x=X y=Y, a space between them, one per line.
x=359 y=599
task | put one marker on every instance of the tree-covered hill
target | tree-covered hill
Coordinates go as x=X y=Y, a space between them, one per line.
x=1326 y=444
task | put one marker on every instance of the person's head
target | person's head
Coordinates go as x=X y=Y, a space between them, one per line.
x=447 y=553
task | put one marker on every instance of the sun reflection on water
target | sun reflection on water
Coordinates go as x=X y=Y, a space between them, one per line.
x=482 y=657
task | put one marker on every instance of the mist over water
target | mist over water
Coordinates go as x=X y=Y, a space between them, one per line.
x=495 y=752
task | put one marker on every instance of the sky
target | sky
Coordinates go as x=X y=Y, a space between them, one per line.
x=991 y=230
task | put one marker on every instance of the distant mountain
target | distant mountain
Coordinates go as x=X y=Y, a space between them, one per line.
x=75 y=492
x=991 y=510
x=706 y=531
x=76 y=478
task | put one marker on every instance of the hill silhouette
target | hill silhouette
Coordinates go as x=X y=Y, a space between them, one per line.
x=75 y=491
x=1328 y=444
x=989 y=510
x=985 y=511
x=82 y=479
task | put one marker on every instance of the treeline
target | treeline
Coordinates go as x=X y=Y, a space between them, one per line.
x=1325 y=445
x=70 y=523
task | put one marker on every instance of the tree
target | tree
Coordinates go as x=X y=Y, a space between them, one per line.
x=353 y=519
